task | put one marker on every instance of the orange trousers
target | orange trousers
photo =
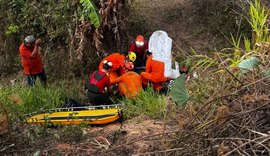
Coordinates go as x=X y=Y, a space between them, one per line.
x=157 y=83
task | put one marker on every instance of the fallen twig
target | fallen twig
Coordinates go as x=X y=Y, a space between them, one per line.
x=156 y=152
x=5 y=148
x=136 y=140
x=206 y=104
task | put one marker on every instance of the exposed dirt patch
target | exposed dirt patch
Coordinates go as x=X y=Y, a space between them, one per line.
x=178 y=19
x=130 y=138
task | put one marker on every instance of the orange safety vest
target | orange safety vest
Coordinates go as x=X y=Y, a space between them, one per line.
x=154 y=71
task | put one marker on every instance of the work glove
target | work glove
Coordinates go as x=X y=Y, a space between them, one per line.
x=183 y=70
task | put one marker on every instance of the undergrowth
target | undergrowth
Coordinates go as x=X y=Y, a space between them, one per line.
x=20 y=99
x=148 y=102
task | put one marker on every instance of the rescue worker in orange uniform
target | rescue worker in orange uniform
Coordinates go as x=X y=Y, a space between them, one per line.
x=99 y=84
x=118 y=60
x=31 y=60
x=129 y=84
x=154 y=73
x=139 y=47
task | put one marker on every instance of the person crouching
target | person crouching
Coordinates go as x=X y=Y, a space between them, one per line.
x=130 y=83
x=98 y=85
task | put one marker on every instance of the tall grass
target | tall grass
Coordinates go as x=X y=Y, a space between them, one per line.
x=148 y=102
x=21 y=99
x=257 y=20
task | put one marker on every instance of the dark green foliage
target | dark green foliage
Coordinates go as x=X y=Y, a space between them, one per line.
x=68 y=46
x=49 y=20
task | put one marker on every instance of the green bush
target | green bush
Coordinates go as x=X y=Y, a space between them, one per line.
x=148 y=103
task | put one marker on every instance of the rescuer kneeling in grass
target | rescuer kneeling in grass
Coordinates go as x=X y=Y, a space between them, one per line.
x=98 y=85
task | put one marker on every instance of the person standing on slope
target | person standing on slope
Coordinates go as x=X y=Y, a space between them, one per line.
x=31 y=60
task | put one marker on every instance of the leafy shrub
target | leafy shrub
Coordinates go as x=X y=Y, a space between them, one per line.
x=69 y=42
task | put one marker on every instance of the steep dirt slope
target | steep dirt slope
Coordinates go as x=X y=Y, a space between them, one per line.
x=177 y=18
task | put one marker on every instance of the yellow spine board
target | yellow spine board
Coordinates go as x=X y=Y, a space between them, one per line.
x=103 y=116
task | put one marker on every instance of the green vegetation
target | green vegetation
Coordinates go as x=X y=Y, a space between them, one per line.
x=224 y=105
x=220 y=72
x=68 y=30
x=179 y=91
x=21 y=100
x=148 y=103
x=90 y=11
x=257 y=20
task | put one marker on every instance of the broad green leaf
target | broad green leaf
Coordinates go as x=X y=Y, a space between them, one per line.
x=91 y=11
x=249 y=64
x=179 y=92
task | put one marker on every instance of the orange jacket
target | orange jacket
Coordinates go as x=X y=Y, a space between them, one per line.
x=31 y=65
x=130 y=84
x=154 y=71
x=118 y=61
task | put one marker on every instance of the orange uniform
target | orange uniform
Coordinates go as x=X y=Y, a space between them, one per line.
x=154 y=72
x=118 y=61
x=31 y=65
x=130 y=84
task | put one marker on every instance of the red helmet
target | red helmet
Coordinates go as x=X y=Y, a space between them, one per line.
x=140 y=38
x=139 y=41
x=129 y=65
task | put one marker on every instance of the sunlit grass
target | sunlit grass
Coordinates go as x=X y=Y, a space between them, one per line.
x=148 y=102
x=21 y=99
x=258 y=22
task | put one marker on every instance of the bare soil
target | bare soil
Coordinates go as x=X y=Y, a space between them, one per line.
x=133 y=136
